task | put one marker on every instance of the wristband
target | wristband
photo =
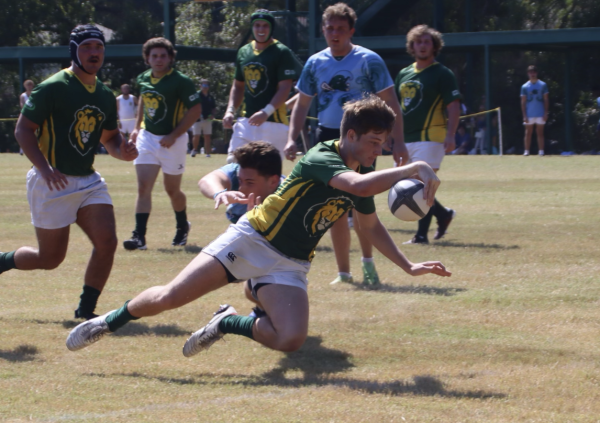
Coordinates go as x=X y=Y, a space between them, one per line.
x=231 y=110
x=218 y=192
x=269 y=109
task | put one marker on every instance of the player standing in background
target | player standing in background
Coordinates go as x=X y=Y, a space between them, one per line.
x=272 y=245
x=28 y=85
x=169 y=106
x=204 y=125
x=534 y=105
x=341 y=73
x=59 y=129
x=264 y=73
x=127 y=109
x=430 y=102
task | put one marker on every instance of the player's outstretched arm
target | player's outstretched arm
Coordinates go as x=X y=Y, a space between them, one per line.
x=25 y=135
x=117 y=146
x=379 y=181
x=299 y=113
x=371 y=226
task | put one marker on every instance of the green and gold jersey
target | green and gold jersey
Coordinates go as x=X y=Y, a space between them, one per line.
x=71 y=116
x=304 y=207
x=424 y=95
x=166 y=100
x=261 y=71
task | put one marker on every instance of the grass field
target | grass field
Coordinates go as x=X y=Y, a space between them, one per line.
x=512 y=336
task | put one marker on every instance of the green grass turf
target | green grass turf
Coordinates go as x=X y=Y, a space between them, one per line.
x=512 y=336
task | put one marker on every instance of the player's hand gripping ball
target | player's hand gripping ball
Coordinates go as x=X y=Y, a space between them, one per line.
x=406 y=201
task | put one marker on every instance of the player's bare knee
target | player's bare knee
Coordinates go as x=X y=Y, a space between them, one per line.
x=289 y=343
x=51 y=261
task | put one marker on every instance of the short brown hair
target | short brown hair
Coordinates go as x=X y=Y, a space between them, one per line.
x=367 y=114
x=532 y=68
x=158 y=42
x=28 y=82
x=418 y=31
x=259 y=155
x=342 y=11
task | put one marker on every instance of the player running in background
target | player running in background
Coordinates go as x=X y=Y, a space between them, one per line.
x=430 y=102
x=28 y=85
x=169 y=105
x=341 y=73
x=59 y=129
x=272 y=245
x=127 y=109
x=255 y=175
x=264 y=73
x=534 y=105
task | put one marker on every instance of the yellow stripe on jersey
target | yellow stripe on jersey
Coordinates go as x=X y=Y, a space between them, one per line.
x=52 y=143
x=44 y=139
x=270 y=216
x=180 y=110
x=435 y=124
x=280 y=115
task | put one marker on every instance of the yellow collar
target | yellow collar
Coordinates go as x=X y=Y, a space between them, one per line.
x=91 y=88
x=257 y=52
x=421 y=70
x=155 y=81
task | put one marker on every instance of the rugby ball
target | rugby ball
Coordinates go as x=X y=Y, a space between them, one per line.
x=406 y=201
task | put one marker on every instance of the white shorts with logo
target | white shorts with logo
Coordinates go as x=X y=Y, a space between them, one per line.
x=430 y=152
x=58 y=209
x=202 y=127
x=534 y=121
x=271 y=132
x=127 y=125
x=171 y=160
x=248 y=255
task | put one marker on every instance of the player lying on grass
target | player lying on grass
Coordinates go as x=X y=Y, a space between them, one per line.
x=272 y=245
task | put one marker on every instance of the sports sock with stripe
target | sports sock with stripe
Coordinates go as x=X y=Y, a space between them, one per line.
x=238 y=325
x=141 y=221
x=7 y=261
x=119 y=318
x=181 y=218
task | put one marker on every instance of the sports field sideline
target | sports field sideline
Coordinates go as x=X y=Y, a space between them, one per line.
x=512 y=336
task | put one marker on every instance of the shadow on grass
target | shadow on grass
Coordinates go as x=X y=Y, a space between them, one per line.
x=480 y=245
x=20 y=354
x=134 y=329
x=316 y=365
x=326 y=249
x=189 y=249
x=409 y=289
x=403 y=231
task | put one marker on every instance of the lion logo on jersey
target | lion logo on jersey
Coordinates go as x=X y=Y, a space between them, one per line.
x=88 y=120
x=411 y=93
x=256 y=78
x=321 y=217
x=155 y=106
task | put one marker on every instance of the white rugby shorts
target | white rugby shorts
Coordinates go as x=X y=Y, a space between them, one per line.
x=58 y=209
x=430 y=152
x=271 y=132
x=127 y=126
x=171 y=160
x=534 y=121
x=248 y=255
x=202 y=127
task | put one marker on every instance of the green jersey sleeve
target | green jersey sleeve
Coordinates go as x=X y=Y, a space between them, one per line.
x=112 y=121
x=39 y=105
x=188 y=94
x=289 y=67
x=323 y=167
x=448 y=87
x=239 y=73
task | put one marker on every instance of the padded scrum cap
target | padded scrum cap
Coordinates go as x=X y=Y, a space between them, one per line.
x=80 y=34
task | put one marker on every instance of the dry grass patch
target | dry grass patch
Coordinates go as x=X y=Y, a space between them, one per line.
x=513 y=335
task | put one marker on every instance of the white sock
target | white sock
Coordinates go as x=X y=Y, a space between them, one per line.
x=526 y=152
x=541 y=153
x=345 y=275
x=367 y=260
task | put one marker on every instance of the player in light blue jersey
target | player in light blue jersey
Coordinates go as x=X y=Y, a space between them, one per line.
x=341 y=73
x=534 y=104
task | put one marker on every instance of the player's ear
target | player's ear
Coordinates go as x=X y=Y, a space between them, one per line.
x=351 y=135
